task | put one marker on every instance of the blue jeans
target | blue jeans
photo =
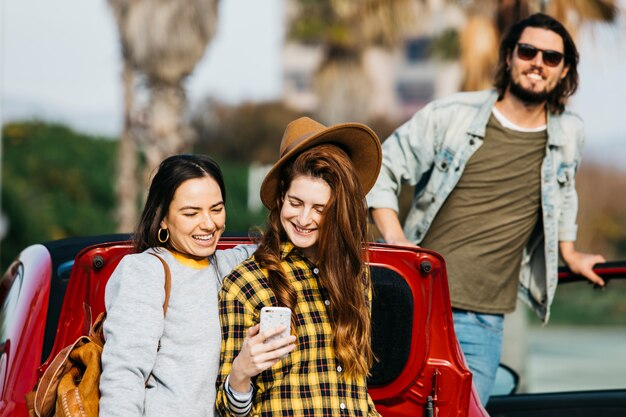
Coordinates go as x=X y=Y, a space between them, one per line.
x=480 y=337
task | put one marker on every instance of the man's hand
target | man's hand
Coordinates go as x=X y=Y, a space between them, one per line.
x=388 y=224
x=581 y=263
x=400 y=241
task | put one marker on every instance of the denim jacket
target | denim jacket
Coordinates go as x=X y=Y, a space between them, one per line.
x=430 y=152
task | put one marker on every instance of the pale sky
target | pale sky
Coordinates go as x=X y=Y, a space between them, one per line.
x=59 y=60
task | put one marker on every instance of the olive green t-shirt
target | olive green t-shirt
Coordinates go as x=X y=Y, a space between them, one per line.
x=486 y=221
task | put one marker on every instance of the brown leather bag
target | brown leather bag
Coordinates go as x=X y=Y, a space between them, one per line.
x=70 y=385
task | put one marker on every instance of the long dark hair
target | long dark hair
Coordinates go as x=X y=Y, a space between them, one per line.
x=172 y=172
x=567 y=86
x=342 y=238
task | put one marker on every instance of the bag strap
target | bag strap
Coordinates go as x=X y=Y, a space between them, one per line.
x=218 y=277
x=46 y=387
x=168 y=282
x=95 y=330
x=87 y=318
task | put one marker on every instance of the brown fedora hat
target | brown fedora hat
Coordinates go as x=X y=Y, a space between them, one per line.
x=358 y=140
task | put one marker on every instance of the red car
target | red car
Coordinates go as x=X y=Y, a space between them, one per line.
x=420 y=371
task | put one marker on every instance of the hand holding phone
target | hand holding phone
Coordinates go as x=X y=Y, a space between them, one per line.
x=272 y=317
x=256 y=355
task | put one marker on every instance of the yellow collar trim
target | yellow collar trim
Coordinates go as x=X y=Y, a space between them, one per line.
x=189 y=262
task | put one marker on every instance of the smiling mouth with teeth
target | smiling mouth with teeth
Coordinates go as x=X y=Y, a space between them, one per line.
x=302 y=230
x=534 y=76
x=205 y=238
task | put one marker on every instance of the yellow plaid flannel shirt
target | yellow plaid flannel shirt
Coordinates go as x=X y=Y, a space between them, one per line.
x=310 y=381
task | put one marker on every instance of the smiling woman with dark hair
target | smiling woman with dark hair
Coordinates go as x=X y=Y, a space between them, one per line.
x=156 y=365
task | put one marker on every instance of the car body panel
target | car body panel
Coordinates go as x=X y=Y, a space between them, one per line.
x=609 y=403
x=421 y=370
x=435 y=367
x=608 y=271
x=24 y=292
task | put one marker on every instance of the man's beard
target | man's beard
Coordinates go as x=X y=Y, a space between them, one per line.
x=528 y=96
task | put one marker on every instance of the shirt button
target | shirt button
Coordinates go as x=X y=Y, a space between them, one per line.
x=339 y=369
x=316 y=271
x=327 y=302
x=342 y=406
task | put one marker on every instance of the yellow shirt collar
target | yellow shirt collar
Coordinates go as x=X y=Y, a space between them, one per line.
x=189 y=262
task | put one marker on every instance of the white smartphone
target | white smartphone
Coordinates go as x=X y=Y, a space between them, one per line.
x=272 y=317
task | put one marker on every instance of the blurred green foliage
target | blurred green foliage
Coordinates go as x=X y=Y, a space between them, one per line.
x=580 y=303
x=250 y=132
x=317 y=23
x=445 y=45
x=56 y=183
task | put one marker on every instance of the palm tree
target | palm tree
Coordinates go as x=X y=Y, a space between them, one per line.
x=162 y=41
x=347 y=31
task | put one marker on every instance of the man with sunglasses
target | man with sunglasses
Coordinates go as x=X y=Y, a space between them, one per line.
x=494 y=188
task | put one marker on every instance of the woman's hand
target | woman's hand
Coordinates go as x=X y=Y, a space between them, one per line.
x=257 y=355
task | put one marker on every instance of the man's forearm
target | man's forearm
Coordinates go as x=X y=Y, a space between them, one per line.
x=389 y=226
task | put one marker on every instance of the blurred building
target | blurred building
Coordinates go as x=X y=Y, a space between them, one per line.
x=403 y=81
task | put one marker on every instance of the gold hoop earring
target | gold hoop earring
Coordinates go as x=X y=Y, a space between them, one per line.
x=167 y=236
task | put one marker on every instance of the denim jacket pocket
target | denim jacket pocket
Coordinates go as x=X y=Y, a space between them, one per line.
x=565 y=173
x=443 y=159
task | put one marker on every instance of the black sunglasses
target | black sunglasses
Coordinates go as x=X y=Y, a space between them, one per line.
x=527 y=52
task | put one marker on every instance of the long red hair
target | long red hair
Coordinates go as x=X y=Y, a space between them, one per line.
x=342 y=239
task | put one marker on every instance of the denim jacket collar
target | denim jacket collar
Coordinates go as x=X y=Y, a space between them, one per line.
x=479 y=126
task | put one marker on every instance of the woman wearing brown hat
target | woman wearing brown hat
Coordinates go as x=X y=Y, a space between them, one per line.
x=310 y=259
